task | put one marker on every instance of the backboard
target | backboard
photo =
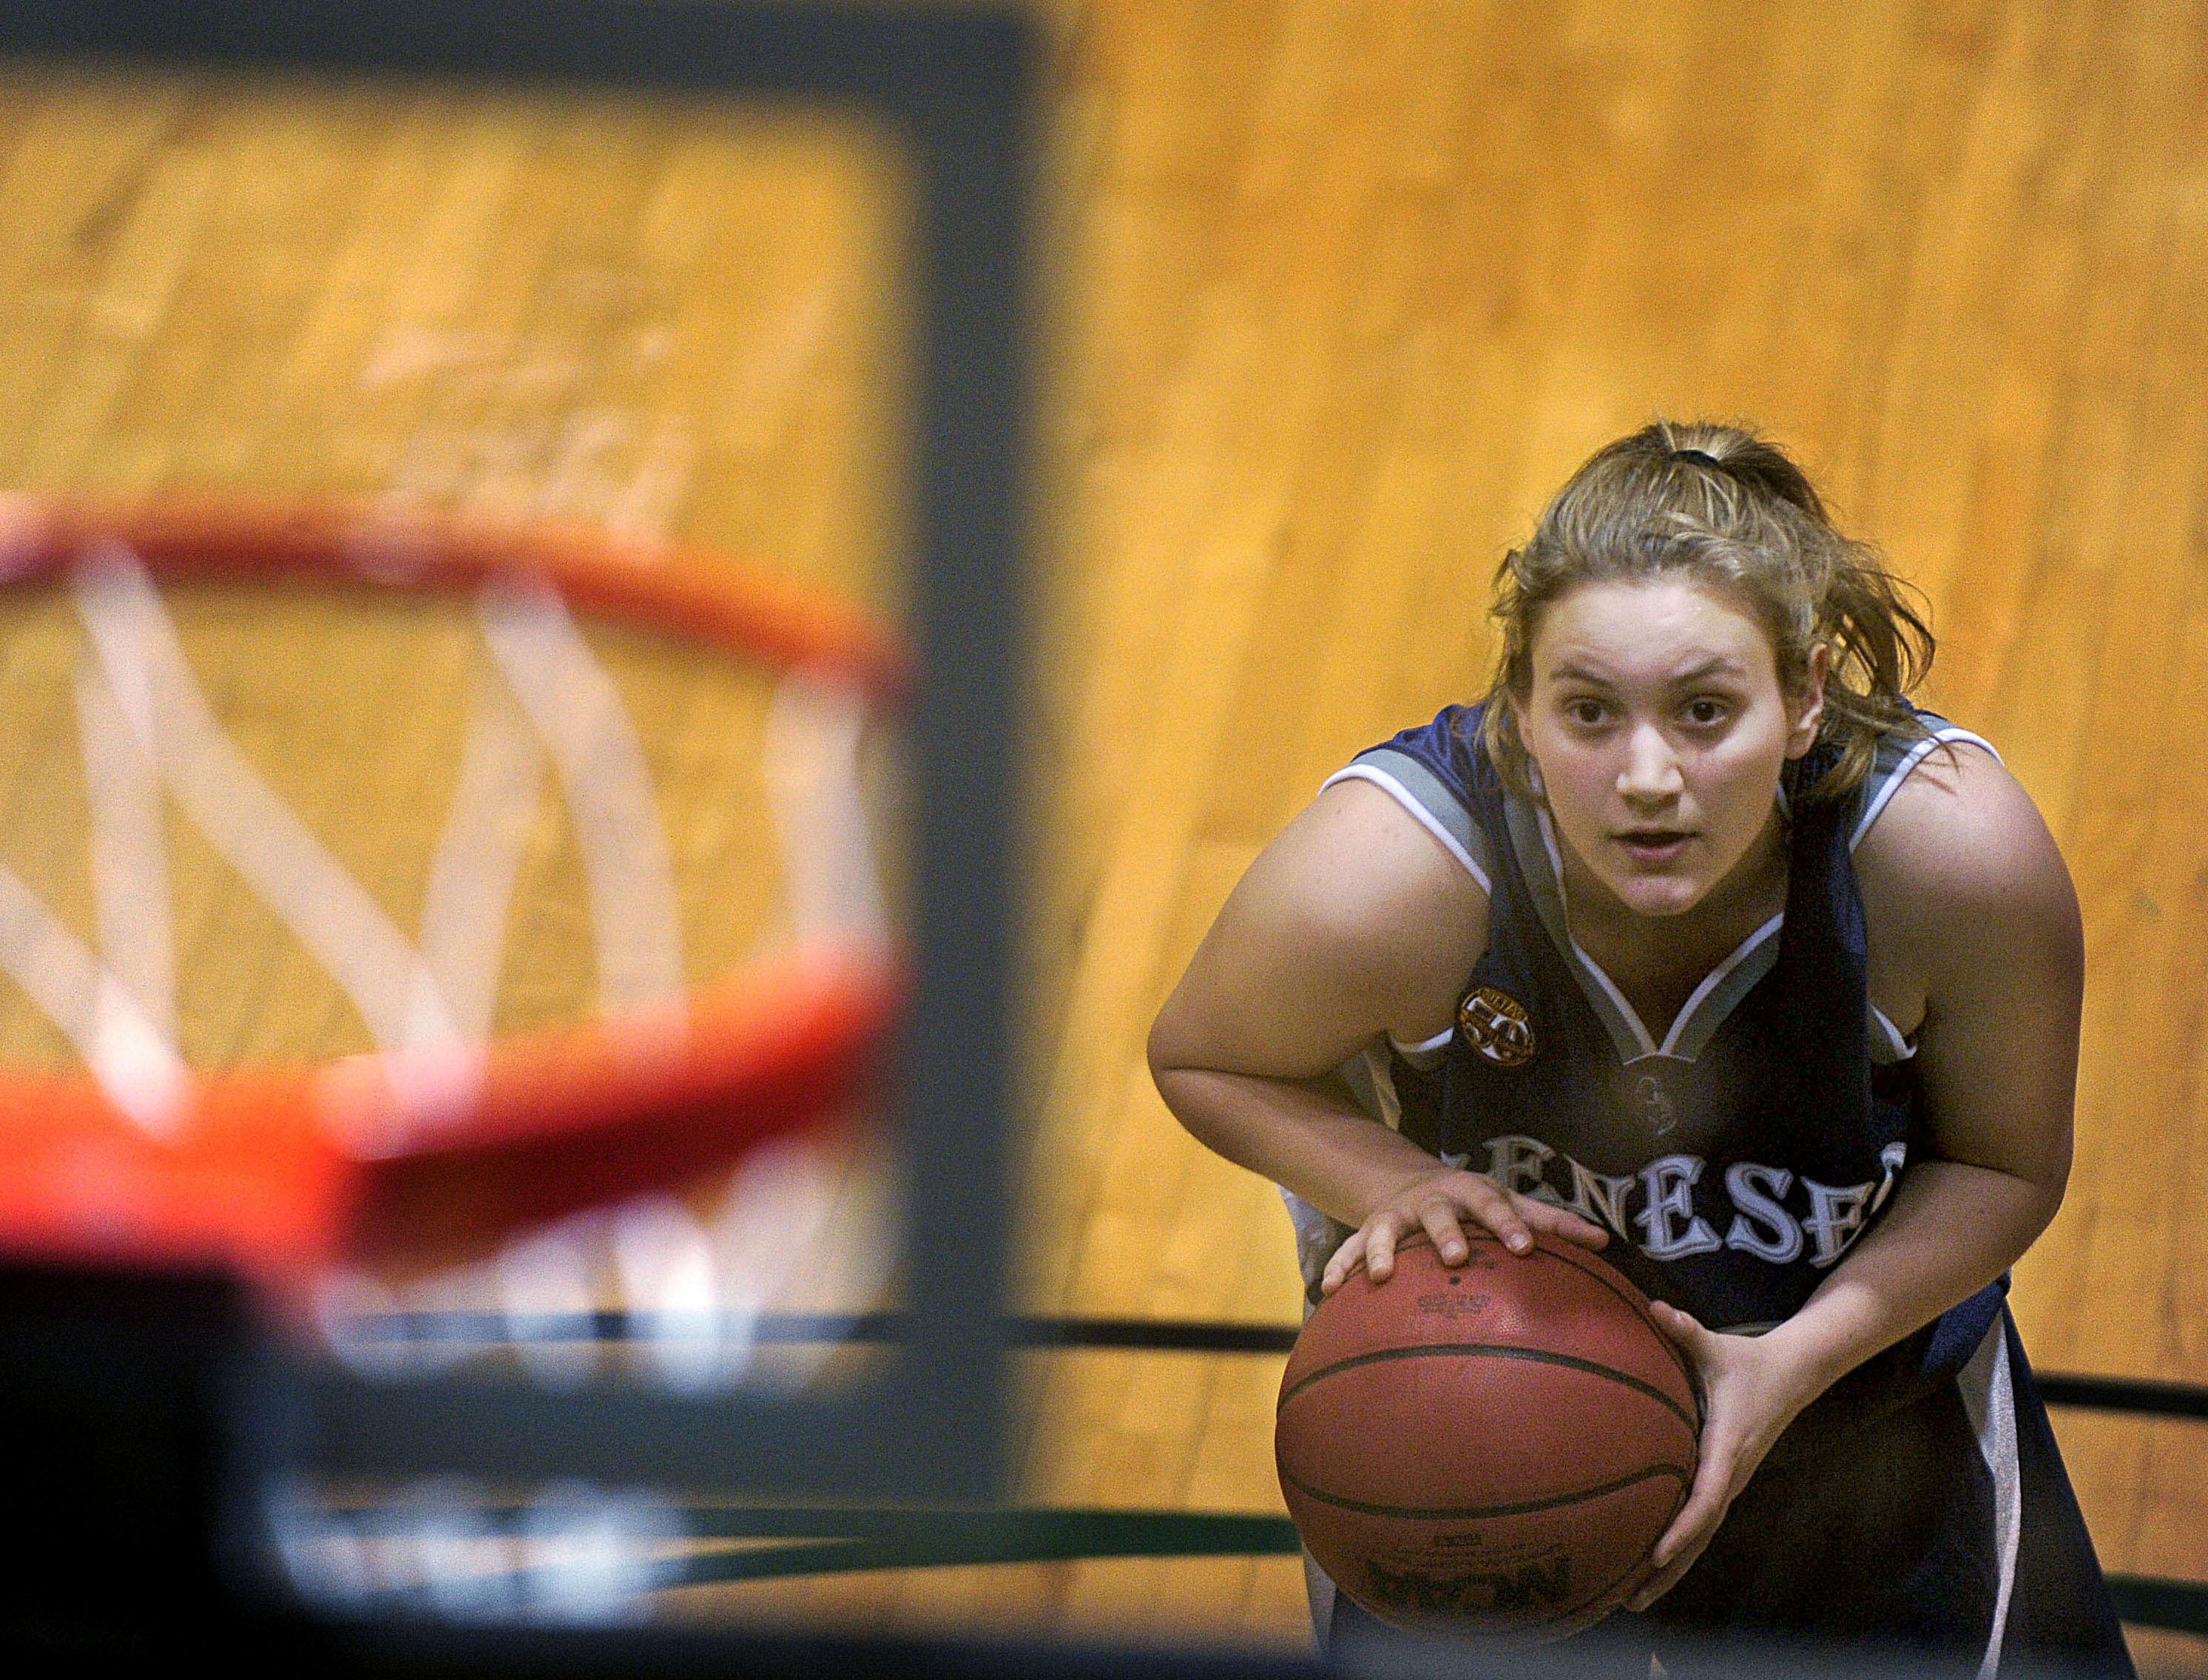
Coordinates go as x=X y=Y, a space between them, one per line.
x=942 y=92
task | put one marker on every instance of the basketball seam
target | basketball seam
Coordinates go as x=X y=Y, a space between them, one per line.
x=1472 y=1513
x=1578 y=1263
x=1610 y=1283
x=1482 y=1349
x=1647 y=1317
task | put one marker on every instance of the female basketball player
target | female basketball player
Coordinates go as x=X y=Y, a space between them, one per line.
x=1695 y=943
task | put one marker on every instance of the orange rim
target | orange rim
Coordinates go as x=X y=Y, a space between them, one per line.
x=279 y=1169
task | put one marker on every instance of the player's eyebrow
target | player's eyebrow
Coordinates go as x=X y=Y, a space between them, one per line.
x=1570 y=672
x=1717 y=664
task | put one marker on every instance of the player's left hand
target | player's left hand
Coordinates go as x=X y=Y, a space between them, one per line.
x=1752 y=1387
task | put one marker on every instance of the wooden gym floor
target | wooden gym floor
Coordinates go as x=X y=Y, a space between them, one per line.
x=1338 y=290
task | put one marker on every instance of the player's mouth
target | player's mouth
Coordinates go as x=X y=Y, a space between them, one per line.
x=1655 y=847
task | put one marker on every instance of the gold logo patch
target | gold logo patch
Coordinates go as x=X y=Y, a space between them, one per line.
x=1494 y=1023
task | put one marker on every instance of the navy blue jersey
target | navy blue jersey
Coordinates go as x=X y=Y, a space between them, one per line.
x=1735 y=1161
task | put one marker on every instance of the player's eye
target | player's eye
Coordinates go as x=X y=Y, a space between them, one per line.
x=1706 y=713
x=1588 y=712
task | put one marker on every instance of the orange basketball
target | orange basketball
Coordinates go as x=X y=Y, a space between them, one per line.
x=1486 y=1449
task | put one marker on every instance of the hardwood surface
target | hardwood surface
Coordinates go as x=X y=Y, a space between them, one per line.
x=1339 y=291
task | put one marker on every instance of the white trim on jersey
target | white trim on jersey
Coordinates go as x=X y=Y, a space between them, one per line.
x=1989 y=1399
x=1372 y=1082
x=1910 y=760
x=1635 y=1042
x=1902 y=1049
x=1711 y=982
x=1425 y=818
x=1644 y=1041
x=1317 y=1237
x=1421 y=1055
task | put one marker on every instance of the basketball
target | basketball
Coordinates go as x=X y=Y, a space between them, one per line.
x=1489 y=1449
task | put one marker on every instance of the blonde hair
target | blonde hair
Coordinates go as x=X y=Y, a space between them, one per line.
x=1724 y=508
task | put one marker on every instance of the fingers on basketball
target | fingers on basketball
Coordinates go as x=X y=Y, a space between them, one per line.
x=1706 y=1503
x=1438 y=1218
x=1689 y=1534
x=1347 y=1261
x=1515 y=1213
x=1380 y=1238
x=1560 y=1223
x=1515 y=1218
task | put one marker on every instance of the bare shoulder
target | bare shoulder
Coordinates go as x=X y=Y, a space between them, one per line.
x=1360 y=884
x=1360 y=862
x=1959 y=861
x=1353 y=921
x=1961 y=871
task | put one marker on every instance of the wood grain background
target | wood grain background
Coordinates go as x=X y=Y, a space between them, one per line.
x=1338 y=292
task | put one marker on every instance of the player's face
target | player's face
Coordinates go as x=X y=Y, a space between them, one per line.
x=1659 y=728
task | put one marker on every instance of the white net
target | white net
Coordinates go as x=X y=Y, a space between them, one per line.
x=363 y=828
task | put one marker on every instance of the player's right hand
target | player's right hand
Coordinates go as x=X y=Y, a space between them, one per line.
x=1440 y=1204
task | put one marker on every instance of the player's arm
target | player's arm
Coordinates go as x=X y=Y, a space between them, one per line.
x=1961 y=871
x=1967 y=874
x=1354 y=922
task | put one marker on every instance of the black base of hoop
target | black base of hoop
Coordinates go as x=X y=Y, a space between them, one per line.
x=116 y=1397
x=133 y=1477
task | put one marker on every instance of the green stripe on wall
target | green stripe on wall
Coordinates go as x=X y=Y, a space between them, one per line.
x=829 y=1539
x=839 y=1539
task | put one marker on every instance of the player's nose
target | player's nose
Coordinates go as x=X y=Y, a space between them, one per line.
x=1650 y=772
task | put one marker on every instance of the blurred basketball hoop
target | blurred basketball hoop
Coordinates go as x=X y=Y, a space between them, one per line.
x=527 y=1147
x=450 y=1134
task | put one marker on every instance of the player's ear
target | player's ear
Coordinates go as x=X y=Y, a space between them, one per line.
x=1808 y=708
